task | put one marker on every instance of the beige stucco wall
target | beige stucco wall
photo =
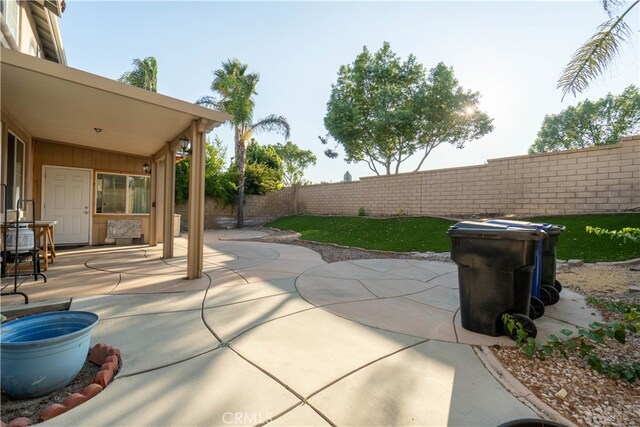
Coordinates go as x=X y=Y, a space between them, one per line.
x=599 y=179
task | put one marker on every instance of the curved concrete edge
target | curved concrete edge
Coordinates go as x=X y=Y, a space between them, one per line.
x=632 y=261
x=517 y=389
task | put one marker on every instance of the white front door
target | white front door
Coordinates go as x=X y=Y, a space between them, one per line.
x=67 y=195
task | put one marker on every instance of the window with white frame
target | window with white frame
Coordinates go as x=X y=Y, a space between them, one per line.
x=11 y=12
x=14 y=168
x=122 y=194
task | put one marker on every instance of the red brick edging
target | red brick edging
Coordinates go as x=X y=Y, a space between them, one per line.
x=109 y=360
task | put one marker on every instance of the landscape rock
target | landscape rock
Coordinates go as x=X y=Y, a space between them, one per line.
x=575 y=263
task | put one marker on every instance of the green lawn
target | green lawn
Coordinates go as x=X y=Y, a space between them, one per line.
x=424 y=234
x=386 y=234
x=576 y=243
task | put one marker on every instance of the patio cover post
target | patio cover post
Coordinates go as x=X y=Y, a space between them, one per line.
x=153 y=237
x=196 y=200
x=169 y=200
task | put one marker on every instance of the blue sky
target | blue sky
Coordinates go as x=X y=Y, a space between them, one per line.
x=511 y=52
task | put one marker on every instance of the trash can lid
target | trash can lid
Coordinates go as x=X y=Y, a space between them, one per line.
x=553 y=229
x=485 y=230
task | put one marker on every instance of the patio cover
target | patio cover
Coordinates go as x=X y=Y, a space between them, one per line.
x=53 y=102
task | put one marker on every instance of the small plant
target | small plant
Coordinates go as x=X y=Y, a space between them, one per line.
x=362 y=211
x=401 y=212
x=586 y=341
x=626 y=233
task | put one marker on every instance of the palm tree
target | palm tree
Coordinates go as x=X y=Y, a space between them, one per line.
x=144 y=74
x=236 y=88
x=595 y=55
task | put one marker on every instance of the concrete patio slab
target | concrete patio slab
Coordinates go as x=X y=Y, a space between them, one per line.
x=346 y=270
x=70 y=283
x=225 y=295
x=132 y=262
x=572 y=308
x=447 y=280
x=150 y=341
x=234 y=234
x=302 y=415
x=385 y=288
x=246 y=250
x=137 y=284
x=323 y=290
x=549 y=326
x=399 y=315
x=283 y=265
x=432 y=384
x=229 y=321
x=439 y=297
x=276 y=277
x=382 y=265
x=223 y=277
x=468 y=337
x=217 y=388
x=437 y=267
x=367 y=342
x=111 y=306
x=309 y=350
x=413 y=272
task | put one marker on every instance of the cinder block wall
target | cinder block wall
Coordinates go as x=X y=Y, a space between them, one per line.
x=257 y=210
x=599 y=179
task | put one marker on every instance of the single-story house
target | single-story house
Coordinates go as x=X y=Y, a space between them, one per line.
x=87 y=149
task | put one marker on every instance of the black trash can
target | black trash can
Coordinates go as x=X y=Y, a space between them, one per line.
x=545 y=287
x=495 y=270
x=549 y=256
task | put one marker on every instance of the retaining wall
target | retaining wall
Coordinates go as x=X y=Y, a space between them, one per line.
x=598 y=179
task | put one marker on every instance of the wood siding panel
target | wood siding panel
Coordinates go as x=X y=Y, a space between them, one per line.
x=59 y=154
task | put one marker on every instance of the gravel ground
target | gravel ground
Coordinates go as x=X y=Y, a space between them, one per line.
x=31 y=408
x=567 y=385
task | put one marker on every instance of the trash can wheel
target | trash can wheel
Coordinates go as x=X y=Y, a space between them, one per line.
x=536 y=308
x=549 y=295
x=527 y=324
x=558 y=286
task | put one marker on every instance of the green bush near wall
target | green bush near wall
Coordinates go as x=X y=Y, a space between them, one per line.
x=576 y=243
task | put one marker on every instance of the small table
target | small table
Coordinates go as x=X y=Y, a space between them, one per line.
x=46 y=231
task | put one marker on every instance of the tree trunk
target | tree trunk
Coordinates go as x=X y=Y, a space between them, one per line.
x=295 y=199
x=240 y=161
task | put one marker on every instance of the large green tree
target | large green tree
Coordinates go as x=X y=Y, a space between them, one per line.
x=264 y=169
x=294 y=162
x=596 y=54
x=235 y=89
x=143 y=75
x=383 y=110
x=601 y=122
x=218 y=182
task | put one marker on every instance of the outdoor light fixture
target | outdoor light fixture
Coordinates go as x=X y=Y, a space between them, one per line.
x=146 y=168
x=97 y=130
x=185 y=144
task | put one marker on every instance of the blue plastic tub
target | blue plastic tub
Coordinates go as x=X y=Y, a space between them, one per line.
x=44 y=352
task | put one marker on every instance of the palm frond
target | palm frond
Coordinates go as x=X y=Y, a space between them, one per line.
x=207 y=101
x=273 y=123
x=610 y=6
x=592 y=58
